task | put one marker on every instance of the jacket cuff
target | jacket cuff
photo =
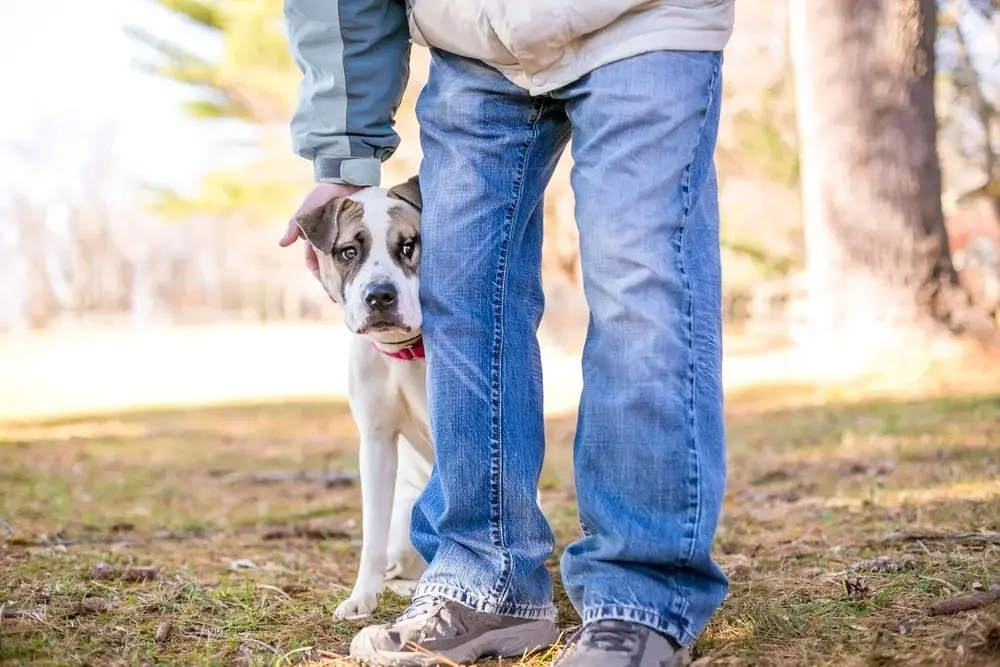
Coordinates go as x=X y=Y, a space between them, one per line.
x=363 y=171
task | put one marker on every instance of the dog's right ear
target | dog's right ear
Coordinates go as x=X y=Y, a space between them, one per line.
x=408 y=191
x=320 y=225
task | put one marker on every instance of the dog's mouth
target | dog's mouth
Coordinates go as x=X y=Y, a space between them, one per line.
x=382 y=327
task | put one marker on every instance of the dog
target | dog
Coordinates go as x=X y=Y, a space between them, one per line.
x=368 y=247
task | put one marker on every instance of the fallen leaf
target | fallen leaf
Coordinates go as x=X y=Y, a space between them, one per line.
x=163 y=631
x=101 y=571
x=885 y=564
x=140 y=574
x=89 y=606
x=862 y=468
x=777 y=475
x=856 y=587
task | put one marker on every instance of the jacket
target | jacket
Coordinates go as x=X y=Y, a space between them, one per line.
x=354 y=57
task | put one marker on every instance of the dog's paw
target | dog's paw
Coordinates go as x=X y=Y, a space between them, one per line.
x=356 y=607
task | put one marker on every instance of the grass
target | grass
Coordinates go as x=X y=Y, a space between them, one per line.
x=813 y=492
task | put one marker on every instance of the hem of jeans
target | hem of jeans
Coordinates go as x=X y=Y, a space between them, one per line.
x=486 y=605
x=651 y=619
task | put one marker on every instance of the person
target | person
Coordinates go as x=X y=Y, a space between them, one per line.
x=636 y=85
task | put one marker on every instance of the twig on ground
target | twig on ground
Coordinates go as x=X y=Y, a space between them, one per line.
x=327 y=654
x=60 y=540
x=941 y=581
x=203 y=633
x=259 y=643
x=20 y=613
x=282 y=659
x=327 y=479
x=440 y=658
x=964 y=603
x=269 y=587
x=968 y=538
x=305 y=532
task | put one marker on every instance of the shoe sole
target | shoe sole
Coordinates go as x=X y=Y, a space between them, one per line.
x=503 y=643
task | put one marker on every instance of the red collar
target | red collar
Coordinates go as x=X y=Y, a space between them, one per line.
x=409 y=353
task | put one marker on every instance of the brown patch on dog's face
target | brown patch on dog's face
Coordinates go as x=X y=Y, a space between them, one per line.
x=403 y=239
x=337 y=231
x=351 y=248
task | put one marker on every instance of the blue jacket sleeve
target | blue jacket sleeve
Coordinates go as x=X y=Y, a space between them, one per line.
x=354 y=59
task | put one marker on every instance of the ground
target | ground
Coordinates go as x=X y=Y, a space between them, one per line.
x=227 y=535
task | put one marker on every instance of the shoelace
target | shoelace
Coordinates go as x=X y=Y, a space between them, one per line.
x=430 y=609
x=420 y=607
x=611 y=635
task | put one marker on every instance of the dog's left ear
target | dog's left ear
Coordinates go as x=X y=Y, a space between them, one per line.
x=408 y=191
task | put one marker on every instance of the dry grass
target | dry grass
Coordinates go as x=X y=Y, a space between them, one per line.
x=813 y=491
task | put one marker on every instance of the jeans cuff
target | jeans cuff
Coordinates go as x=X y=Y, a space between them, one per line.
x=651 y=619
x=485 y=605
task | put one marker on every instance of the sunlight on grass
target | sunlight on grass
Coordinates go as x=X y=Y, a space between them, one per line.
x=248 y=516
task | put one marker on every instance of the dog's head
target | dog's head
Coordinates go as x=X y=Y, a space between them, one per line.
x=368 y=247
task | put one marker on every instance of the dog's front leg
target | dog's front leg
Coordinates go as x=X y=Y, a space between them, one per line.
x=405 y=564
x=378 y=471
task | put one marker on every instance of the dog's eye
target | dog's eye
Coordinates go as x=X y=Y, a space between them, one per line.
x=407 y=249
x=349 y=253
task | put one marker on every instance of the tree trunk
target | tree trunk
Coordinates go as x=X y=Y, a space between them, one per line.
x=879 y=266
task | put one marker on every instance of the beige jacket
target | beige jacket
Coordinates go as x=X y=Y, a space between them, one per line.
x=353 y=55
x=542 y=45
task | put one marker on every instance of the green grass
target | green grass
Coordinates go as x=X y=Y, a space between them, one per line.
x=811 y=492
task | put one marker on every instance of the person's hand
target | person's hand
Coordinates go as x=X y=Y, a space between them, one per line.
x=319 y=195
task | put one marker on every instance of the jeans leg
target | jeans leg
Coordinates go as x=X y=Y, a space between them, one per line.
x=650 y=446
x=489 y=151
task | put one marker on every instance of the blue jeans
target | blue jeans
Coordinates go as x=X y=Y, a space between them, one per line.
x=649 y=453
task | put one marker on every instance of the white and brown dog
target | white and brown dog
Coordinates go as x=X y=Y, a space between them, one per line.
x=368 y=246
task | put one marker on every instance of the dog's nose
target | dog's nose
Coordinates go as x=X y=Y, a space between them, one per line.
x=381 y=296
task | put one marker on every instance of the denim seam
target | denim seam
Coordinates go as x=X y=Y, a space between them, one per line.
x=496 y=382
x=478 y=603
x=692 y=379
x=675 y=628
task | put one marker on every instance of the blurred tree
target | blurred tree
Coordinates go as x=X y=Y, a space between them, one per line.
x=253 y=81
x=969 y=112
x=879 y=265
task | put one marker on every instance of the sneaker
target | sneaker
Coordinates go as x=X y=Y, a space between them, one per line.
x=435 y=630
x=613 y=643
